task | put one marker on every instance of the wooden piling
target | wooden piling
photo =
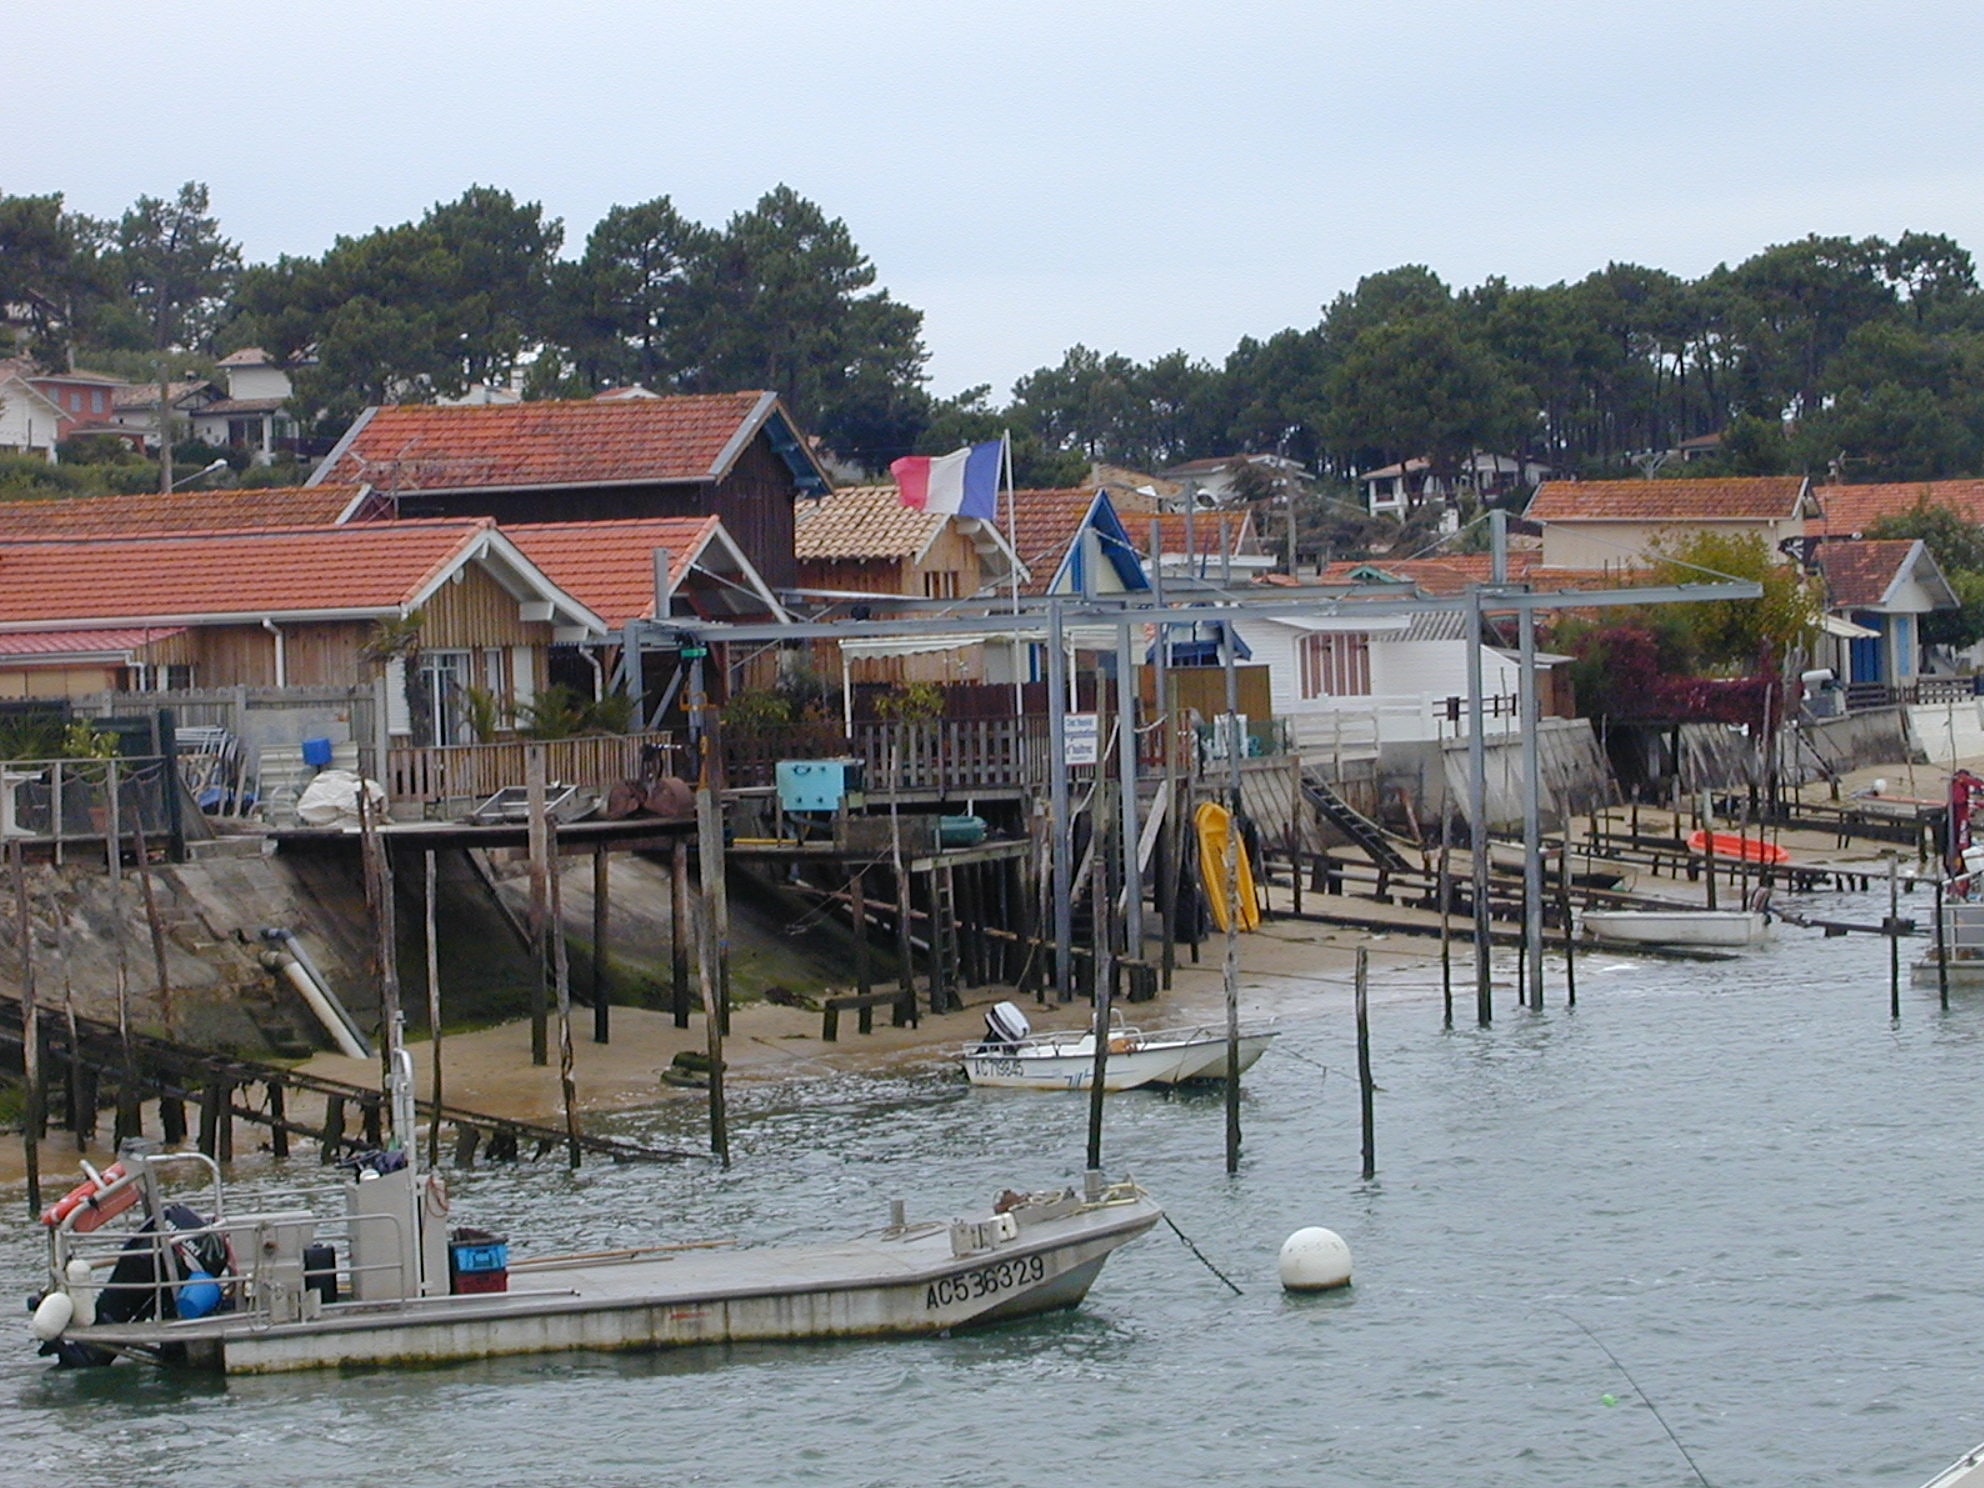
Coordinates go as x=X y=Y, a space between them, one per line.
x=709 y=863
x=153 y=924
x=213 y=1112
x=602 y=877
x=329 y=1145
x=279 y=1121
x=1570 y=933
x=30 y=1030
x=1446 y=891
x=678 y=931
x=433 y=1012
x=1942 y=953
x=857 y=886
x=562 y=981
x=1365 y=1088
x=1893 y=929
x=534 y=788
x=172 y=1120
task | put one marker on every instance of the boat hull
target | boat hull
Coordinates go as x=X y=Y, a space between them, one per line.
x=1684 y=928
x=892 y=1284
x=1166 y=1057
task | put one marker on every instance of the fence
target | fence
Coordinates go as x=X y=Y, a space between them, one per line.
x=474 y=772
x=259 y=717
x=68 y=801
x=953 y=756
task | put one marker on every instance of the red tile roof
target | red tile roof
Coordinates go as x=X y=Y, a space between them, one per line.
x=365 y=569
x=1859 y=574
x=1043 y=524
x=1710 y=499
x=1851 y=509
x=428 y=447
x=609 y=566
x=860 y=522
x=52 y=643
x=183 y=511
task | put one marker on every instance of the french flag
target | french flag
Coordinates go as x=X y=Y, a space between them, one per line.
x=964 y=483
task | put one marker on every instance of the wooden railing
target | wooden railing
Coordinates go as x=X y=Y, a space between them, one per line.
x=63 y=801
x=461 y=772
x=955 y=756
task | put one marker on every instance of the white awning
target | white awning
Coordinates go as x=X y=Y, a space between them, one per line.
x=1845 y=629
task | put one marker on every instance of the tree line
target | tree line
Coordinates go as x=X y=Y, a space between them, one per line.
x=1857 y=358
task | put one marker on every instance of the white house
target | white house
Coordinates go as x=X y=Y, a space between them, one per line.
x=1393 y=490
x=1344 y=682
x=253 y=416
x=30 y=421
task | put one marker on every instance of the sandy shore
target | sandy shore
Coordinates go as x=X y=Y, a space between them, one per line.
x=1290 y=969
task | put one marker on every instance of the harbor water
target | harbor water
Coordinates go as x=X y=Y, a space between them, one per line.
x=1723 y=1211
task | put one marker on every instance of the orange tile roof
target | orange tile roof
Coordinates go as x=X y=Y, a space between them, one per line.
x=1859 y=574
x=1851 y=509
x=370 y=568
x=609 y=566
x=429 y=447
x=1043 y=524
x=858 y=522
x=183 y=511
x=1240 y=534
x=1712 y=498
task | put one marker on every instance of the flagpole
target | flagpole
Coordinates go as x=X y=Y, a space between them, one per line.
x=1013 y=542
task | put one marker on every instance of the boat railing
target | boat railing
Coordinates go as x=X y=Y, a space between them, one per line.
x=1963 y=931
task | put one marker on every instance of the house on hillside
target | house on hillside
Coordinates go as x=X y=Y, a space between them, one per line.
x=135 y=407
x=253 y=416
x=1208 y=544
x=862 y=540
x=737 y=456
x=1218 y=480
x=1621 y=523
x=86 y=399
x=1394 y=490
x=1881 y=589
x=287 y=607
x=30 y=421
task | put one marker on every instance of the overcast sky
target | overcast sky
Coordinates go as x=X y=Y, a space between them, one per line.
x=1031 y=175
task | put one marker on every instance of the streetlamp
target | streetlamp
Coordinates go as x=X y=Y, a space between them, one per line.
x=199 y=474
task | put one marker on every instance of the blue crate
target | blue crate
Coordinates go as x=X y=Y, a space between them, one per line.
x=466 y=1257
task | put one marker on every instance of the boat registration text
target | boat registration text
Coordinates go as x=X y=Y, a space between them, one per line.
x=984 y=1281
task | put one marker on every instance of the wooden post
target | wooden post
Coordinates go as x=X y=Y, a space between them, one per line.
x=1942 y=949
x=1169 y=835
x=433 y=1016
x=279 y=1120
x=1708 y=845
x=678 y=930
x=213 y=1112
x=1230 y=971
x=385 y=924
x=1570 y=938
x=171 y=1119
x=1446 y=882
x=709 y=867
x=152 y=922
x=1364 y=1086
x=602 y=876
x=540 y=1033
x=562 y=976
x=1893 y=928
x=858 y=892
x=329 y=1145
x=30 y=1030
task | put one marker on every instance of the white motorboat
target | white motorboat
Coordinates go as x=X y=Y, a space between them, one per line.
x=1013 y=1056
x=1679 y=929
x=388 y=1282
x=1966 y=1472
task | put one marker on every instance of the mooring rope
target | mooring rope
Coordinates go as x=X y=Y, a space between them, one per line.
x=1642 y=1395
x=1202 y=1256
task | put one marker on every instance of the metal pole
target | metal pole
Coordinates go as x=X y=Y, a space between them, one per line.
x=1532 y=811
x=1942 y=949
x=1477 y=810
x=1059 y=827
x=1126 y=774
x=30 y=1029
x=1365 y=1102
x=433 y=1016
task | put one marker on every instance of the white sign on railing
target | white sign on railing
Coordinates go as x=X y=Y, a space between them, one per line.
x=1081 y=739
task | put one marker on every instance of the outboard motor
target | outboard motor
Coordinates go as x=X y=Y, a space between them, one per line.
x=1005 y=1027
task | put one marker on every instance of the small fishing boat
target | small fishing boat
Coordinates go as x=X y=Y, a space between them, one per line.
x=1013 y=1056
x=389 y=1282
x=1679 y=929
x=1734 y=845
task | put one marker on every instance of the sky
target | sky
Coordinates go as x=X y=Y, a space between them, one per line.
x=1137 y=178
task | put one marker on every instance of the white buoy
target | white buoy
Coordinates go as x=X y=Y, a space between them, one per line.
x=1314 y=1260
x=52 y=1317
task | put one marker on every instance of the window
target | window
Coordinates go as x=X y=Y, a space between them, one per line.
x=1336 y=664
x=940 y=584
x=96 y=400
x=149 y=677
x=443 y=675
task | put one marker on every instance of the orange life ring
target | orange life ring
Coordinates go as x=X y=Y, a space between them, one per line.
x=84 y=1196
